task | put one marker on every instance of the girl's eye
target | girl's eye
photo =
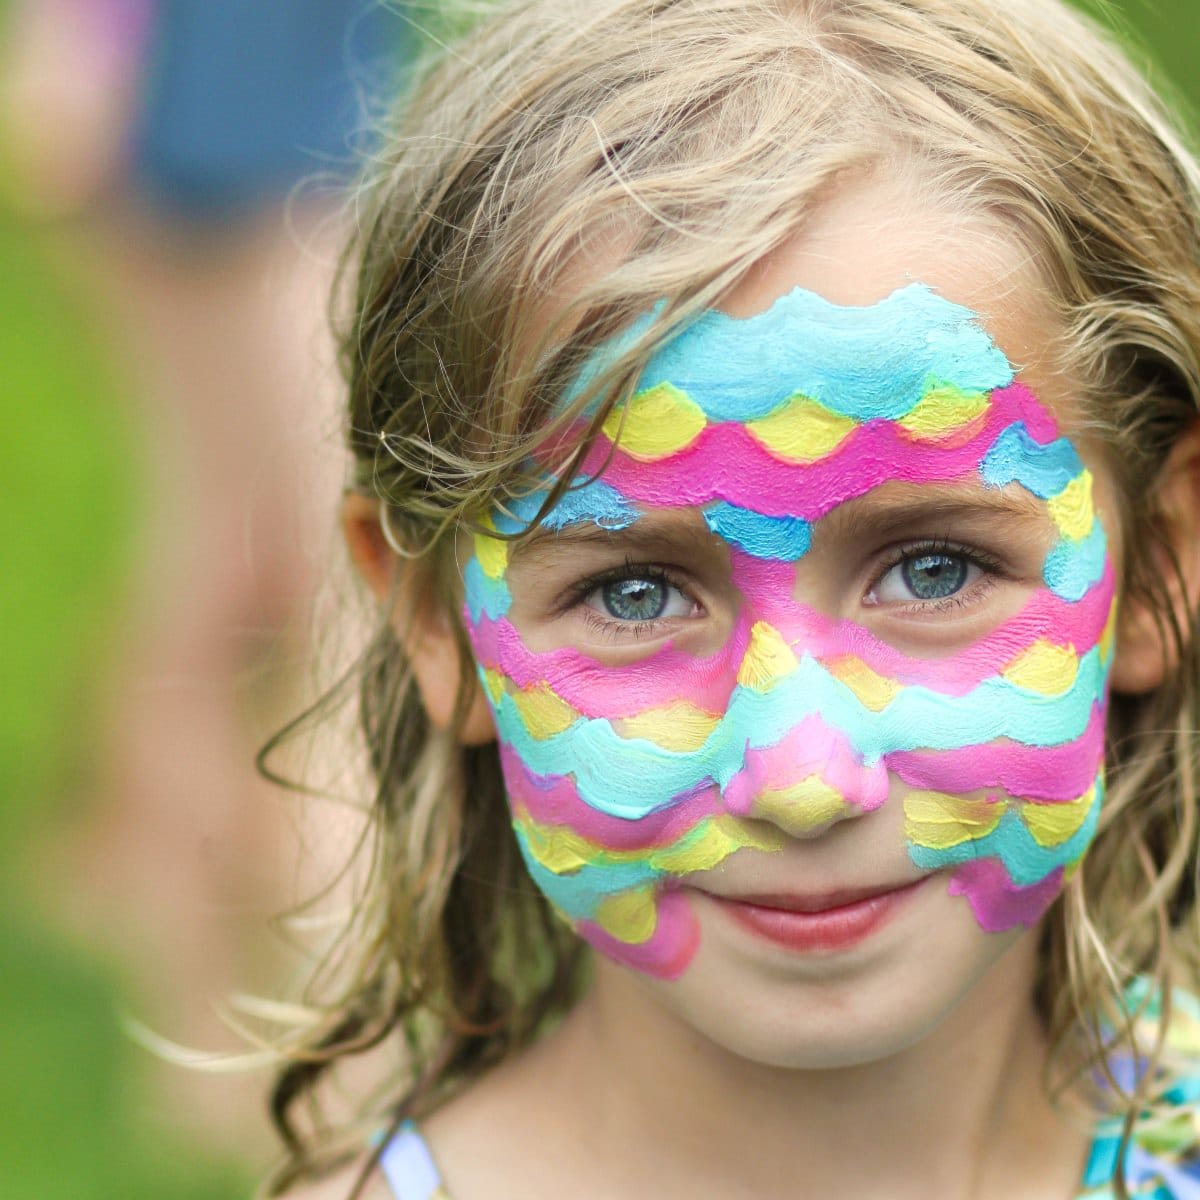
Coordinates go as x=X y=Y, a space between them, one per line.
x=638 y=599
x=926 y=576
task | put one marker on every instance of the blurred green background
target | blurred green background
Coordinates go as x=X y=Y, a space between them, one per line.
x=77 y=1121
x=75 y=1124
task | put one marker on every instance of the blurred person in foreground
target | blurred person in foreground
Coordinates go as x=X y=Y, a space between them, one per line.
x=164 y=148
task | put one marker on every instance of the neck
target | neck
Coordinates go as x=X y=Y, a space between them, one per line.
x=963 y=1113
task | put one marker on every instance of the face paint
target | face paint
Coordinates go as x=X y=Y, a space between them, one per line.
x=623 y=779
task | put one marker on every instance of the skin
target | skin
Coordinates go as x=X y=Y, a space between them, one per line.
x=718 y=1082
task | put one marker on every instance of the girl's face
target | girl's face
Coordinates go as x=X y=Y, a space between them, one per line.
x=801 y=699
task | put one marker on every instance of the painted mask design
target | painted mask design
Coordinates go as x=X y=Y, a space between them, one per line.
x=624 y=778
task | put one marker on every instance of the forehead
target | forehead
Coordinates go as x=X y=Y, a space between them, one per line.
x=831 y=331
x=786 y=414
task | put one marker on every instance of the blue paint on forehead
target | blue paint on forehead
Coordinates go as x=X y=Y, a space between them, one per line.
x=1016 y=457
x=783 y=538
x=589 y=502
x=870 y=362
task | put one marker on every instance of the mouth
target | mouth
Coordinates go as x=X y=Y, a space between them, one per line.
x=824 y=922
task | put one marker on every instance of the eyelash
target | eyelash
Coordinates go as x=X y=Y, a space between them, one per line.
x=610 y=626
x=991 y=567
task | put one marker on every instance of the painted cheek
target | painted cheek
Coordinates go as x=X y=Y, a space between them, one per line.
x=1012 y=818
x=624 y=780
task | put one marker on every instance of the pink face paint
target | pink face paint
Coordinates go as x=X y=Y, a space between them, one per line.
x=625 y=779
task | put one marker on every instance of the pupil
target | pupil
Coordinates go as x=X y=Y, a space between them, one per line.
x=935 y=576
x=635 y=599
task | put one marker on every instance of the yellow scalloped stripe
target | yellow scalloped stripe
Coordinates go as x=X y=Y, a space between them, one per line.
x=939 y=821
x=1044 y=668
x=629 y=916
x=558 y=848
x=943 y=410
x=1072 y=509
x=563 y=851
x=1053 y=824
x=712 y=842
x=767 y=660
x=491 y=552
x=874 y=691
x=493 y=683
x=676 y=726
x=801 y=430
x=544 y=713
x=655 y=423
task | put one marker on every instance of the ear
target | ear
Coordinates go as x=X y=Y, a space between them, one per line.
x=425 y=630
x=1144 y=656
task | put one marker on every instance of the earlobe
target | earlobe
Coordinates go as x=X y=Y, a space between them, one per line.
x=425 y=631
x=1145 y=653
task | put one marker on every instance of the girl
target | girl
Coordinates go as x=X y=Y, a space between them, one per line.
x=777 y=464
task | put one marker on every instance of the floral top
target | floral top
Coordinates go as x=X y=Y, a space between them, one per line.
x=1162 y=1162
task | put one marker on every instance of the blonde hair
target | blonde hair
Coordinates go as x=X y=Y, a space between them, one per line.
x=556 y=173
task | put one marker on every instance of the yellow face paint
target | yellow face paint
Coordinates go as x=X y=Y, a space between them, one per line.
x=768 y=659
x=943 y=411
x=872 y=690
x=677 y=726
x=1054 y=824
x=1045 y=668
x=801 y=431
x=1072 y=509
x=656 y=423
x=937 y=821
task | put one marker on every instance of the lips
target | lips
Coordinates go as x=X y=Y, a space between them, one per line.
x=817 y=922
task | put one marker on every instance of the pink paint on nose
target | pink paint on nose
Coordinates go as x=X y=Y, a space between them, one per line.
x=811 y=750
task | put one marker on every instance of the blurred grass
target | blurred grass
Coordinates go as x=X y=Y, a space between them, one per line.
x=69 y=472
x=1163 y=38
x=75 y=1124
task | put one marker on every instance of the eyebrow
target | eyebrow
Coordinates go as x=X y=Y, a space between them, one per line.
x=905 y=504
x=662 y=531
x=652 y=533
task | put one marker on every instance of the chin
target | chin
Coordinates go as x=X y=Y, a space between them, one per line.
x=823 y=1012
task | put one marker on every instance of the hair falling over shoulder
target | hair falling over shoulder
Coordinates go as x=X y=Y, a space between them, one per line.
x=554 y=174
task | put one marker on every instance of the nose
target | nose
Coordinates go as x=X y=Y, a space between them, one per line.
x=808 y=781
x=813 y=777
